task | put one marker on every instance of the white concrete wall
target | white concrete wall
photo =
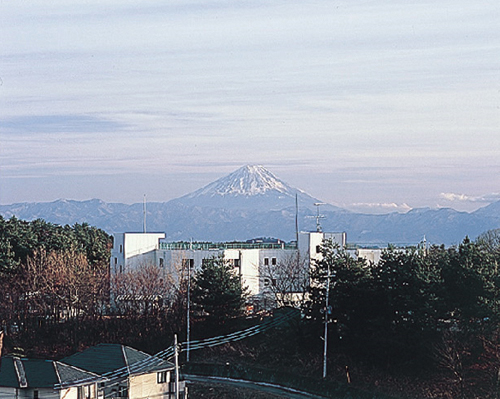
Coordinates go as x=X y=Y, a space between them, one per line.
x=371 y=255
x=250 y=261
x=133 y=249
x=310 y=242
x=146 y=386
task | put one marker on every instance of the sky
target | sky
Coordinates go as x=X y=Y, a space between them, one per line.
x=375 y=106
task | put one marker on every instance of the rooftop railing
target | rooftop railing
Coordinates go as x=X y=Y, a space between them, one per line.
x=206 y=246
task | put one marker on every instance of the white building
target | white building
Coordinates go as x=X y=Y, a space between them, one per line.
x=259 y=263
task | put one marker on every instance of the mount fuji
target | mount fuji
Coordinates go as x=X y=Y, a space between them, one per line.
x=250 y=187
x=252 y=202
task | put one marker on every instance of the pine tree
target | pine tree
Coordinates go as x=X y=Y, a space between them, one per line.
x=218 y=292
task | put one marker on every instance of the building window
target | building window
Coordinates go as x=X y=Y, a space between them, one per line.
x=161 y=262
x=273 y=282
x=318 y=249
x=84 y=392
x=35 y=394
x=189 y=263
x=122 y=392
x=121 y=248
x=237 y=263
x=266 y=261
x=161 y=377
x=266 y=282
x=121 y=269
x=273 y=261
x=116 y=261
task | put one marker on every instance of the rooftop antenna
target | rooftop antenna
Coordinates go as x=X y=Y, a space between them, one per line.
x=144 y=214
x=318 y=216
x=296 y=220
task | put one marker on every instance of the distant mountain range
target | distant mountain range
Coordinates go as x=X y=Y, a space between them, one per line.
x=252 y=202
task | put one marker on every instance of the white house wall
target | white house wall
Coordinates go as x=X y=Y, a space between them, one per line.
x=147 y=386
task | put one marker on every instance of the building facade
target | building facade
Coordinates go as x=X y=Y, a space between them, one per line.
x=266 y=267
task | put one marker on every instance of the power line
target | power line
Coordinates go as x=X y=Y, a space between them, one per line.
x=169 y=352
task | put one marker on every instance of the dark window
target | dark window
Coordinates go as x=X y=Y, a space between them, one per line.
x=266 y=261
x=161 y=262
x=273 y=281
x=237 y=263
x=116 y=261
x=318 y=249
x=273 y=261
x=122 y=392
x=121 y=248
x=189 y=263
x=161 y=377
x=121 y=269
x=35 y=394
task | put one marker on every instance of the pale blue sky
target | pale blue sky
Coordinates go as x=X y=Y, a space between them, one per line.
x=360 y=104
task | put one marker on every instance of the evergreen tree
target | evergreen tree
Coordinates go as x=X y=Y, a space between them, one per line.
x=217 y=291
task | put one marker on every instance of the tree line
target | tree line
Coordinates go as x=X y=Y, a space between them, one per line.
x=432 y=310
x=58 y=295
x=50 y=274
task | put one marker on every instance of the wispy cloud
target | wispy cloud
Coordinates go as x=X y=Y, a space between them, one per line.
x=454 y=197
x=378 y=207
x=58 y=124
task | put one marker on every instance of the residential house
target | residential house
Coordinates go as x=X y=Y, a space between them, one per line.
x=105 y=371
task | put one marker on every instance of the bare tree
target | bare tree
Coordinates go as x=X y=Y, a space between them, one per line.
x=143 y=290
x=287 y=282
x=61 y=285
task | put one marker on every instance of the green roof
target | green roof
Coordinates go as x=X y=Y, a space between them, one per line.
x=8 y=375
x=69 y=373
x=106 y=358
x=36 y=373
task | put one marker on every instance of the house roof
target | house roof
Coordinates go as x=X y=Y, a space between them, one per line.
x=36 y=373
x=107 y=358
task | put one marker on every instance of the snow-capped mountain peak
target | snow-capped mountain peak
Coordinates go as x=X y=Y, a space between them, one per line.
x=249 y=180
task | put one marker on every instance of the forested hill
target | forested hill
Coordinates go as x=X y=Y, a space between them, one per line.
x=21 y=239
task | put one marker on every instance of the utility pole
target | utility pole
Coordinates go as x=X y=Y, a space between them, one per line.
x=327 y=311
x=176 y=367
x=188 y=309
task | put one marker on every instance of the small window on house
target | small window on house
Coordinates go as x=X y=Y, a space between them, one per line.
x=121 y=248
x=266 y=282
x=189 y=263
x=273 y=282
x=122 y=392
x=121 y=269
x=266 y=261
x=161 y=262
x=35 y=394
x=273 y=261
x=161 y=377
x=237 y=263
x=318 y=249
x=116 y=261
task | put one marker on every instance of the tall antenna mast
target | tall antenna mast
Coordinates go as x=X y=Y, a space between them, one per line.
x=144 y=214
x=296 y=220
x=318 y=216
